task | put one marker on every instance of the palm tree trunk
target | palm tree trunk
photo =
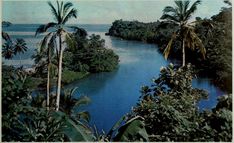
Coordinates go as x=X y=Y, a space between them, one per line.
x=183 y=52
x=59 y=73
x=48 y=88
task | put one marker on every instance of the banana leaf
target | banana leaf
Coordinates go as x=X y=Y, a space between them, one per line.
x=133 y=130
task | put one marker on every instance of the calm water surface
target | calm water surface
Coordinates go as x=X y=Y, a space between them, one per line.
x=113 y=94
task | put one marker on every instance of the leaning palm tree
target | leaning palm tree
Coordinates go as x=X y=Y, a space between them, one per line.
x=180 y=16
x=62 y=14
x=20 y=47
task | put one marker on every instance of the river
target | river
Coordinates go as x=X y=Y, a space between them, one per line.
x=113 y=94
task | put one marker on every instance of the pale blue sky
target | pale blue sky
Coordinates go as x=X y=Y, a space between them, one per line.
x=100 y=11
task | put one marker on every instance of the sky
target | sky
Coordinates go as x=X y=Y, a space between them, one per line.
x=99 y=11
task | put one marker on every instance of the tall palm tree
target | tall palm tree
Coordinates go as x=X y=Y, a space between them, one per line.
x=20 y=47
x=62 y=14
x=180 y=16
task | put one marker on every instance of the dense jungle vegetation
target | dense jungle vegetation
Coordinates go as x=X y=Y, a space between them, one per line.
x=166 y=111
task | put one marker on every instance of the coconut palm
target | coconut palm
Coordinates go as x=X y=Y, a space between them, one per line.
x=62 y=14
x=20 y=47
x=180 y=16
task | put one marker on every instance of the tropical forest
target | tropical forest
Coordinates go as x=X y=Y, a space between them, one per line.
x=116 y=71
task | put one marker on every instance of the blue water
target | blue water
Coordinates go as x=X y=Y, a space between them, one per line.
x=113 y=94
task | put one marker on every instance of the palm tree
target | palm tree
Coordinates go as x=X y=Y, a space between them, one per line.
x=62 y=14
x=8 y=47
x=20 y=47
x=11 y=48
x=8 y=50
x=180 y=15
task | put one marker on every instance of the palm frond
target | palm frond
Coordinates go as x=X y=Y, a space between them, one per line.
x=53 y=10
x=7 y=51
x=229 y=2
x=45 y=41
x=169 y=46
x=168 y=9
x=73 y=91
x=61 y=9
x=59 y=13
x=20 y=46
x=83 y=100
x=66 y=7
x=84 y=115
x=170 y=17
x=186 y=6
x=193 y=41
x=192 y=9
x=71 y=13
x=44 y=28
x=179 y=4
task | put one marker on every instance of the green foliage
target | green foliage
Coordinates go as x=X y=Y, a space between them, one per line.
x=132 y=130
x=12 y=48
x=133 y=30
x=14 y=89
x=89 y=54
x=70 y=105
x=25 y=118
x=169 y=107
x=70 y=76
x=219 y=49
x=37 y=124
x=125 y=131
x=74 y=130
x=15 y=94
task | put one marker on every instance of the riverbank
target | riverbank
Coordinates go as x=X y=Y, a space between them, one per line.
x=217 y=41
